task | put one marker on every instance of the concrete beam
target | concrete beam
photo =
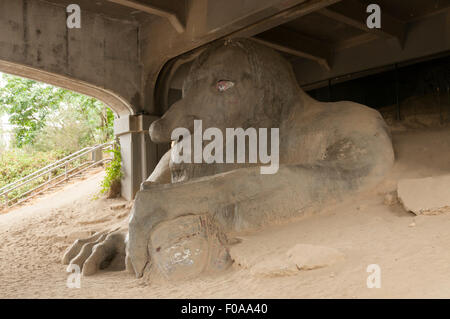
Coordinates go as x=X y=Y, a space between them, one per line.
x=428 y=37
x=291 y=42
x=174 y=11
x=117 y=103
x=282 y=17
x=355 y=41
x=354 y=13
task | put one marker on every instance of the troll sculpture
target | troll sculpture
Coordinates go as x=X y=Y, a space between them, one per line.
x=186 y=214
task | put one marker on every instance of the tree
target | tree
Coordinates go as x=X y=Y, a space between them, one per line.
x=28 y=103
x=47 y=117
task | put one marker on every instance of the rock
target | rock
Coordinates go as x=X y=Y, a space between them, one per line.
x=428 y=196
x=187 y=246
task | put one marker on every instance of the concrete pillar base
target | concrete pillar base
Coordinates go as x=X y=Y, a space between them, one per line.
x=139 y=153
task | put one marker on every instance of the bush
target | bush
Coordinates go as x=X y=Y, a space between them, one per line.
x=49 y=123
x=113 y=170
x=18 y=163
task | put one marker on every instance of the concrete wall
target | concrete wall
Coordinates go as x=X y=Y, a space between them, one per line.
x=99 y=59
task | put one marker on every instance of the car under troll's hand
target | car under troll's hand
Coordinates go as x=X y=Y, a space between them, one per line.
x=186 y=214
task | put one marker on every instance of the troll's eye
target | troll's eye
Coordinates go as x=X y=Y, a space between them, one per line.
x=223 y=85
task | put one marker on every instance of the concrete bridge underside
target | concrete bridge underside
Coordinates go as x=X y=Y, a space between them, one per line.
x=133 y=55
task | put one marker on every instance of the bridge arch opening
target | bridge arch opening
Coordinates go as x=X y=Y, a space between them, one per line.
x=52 y=135
x=114 y=101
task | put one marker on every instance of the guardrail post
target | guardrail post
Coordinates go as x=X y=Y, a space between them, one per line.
x=65 y=171
x=6 y=200
x=97 y=155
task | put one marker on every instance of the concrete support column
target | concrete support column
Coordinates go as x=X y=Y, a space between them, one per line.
x=139 y=153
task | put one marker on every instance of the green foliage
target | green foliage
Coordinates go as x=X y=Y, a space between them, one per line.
x=18 y=163
x=28 y=104
x=113 y=170
x=72 y=129
x=49 y=117
x=49 y=123
x=2 y=143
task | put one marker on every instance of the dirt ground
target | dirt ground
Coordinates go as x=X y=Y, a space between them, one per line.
x=412 y=251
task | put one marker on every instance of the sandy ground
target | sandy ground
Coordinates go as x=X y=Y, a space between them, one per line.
x=412 y=251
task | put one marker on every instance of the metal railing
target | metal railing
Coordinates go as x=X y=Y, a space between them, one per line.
x=63 y=164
